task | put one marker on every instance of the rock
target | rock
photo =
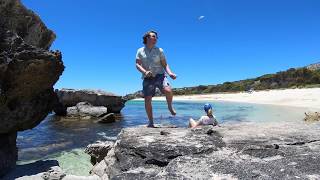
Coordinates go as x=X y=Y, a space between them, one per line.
x=135 y=95
x=149 y=149
x=58 y=107
x=28 y=72
x=28 y=75
x=98 y=151
x=73 y=177
x=139 y=94
x=67 y=177
x=85 y=110
x=109 y=118
x=30 y=169
x=234 y=151
x=314 y=66
x=73 y=111
x=312 y=116
x=25 y=23
x=54 y=173
x=164 y=133
x=8 y=152
x=71 y=97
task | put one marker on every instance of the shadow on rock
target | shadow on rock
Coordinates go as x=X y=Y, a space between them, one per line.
x=30 y=169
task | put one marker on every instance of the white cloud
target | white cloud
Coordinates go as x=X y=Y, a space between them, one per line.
x=200 y=17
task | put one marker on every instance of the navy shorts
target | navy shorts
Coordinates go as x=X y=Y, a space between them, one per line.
x=150 y=84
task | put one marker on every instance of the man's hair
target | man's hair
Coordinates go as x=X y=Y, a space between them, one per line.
x=147 y=34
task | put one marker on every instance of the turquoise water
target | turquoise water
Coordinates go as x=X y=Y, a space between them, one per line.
x=64 y=140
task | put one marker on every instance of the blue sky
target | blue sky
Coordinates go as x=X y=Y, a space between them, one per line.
x=236 y=39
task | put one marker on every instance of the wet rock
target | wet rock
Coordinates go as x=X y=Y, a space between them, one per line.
x=109 y=118
x=86 y=111
x=98 y=151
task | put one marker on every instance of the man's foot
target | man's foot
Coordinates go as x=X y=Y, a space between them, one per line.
x=172 y=111
x=150 y=125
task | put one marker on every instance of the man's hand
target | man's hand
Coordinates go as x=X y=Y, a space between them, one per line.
x=148 y=74
x=173 y=76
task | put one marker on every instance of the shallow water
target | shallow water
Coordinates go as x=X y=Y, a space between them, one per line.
x=65 y=140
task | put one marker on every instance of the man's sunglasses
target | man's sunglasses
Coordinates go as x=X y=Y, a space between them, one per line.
x=154 y=36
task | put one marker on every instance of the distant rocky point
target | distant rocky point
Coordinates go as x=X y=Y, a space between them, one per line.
x=308 y=76
x=314 y=67
x=312 y=116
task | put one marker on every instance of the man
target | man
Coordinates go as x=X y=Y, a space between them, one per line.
x=151 y=62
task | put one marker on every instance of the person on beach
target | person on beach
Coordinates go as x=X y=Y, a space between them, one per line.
x=208 y=119
x=151 y=62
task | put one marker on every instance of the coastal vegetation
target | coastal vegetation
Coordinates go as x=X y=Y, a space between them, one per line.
x=305 y=77
x=291 y=78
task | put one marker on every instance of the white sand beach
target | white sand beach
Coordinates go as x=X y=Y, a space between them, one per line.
x=305 y=97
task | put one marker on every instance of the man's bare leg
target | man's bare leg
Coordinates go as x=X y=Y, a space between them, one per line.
x=148 y=107
x=169 y=96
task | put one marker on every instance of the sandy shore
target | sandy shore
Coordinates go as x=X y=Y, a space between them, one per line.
x=308 y=97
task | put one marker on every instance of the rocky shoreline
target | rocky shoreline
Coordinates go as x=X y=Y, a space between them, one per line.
x=234 y=151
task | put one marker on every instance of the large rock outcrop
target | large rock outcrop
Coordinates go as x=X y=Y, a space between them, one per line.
x=234 y=151
x=27 y=77
x=71 y=97
x=28 y=72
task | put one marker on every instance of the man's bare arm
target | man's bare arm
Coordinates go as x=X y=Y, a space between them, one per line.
x=141 y=69
x=167 y=69
x=139 y=66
